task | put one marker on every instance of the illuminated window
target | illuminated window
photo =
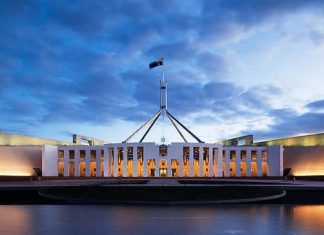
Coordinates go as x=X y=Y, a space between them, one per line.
x=120 y=155
x=232 y=155
x=140 y=154
x=82 y=154
x=185 y=154
x=93 y=154
x=254 y=155
x=264 y=155
x=130 y=154
x=60 y=155
x=102 y=155
x=243 y=155
x=206 y=154
x=196 y=153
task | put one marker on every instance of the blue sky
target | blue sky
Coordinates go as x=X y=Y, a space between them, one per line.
x=233 y=67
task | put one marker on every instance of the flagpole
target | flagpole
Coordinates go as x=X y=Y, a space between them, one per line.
x=163 y=70
x=163 y=111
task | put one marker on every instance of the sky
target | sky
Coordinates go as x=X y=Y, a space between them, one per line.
x=233 y=67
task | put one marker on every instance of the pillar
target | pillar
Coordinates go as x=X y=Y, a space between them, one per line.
x=169 y=168
x=87 y=162
x=210 y=162
x=248 y=162
x=77 y=162
x=157 y=166
x=98 y=163
x=219 y=161
x=191 y=161
x=115 y=162
x=181 y=166
x=66 y=162
x=107 y=167
x=259 y=161
x=238 y=162
x=201 y=161
x=227 y=163
x=144 y=166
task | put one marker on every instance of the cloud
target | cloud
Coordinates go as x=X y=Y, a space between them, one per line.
x=87 y=61
x=316 y=105
x=288 y=122
x=317 y=37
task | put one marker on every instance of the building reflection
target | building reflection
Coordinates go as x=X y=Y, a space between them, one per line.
x=308 y=216
x=15 y=219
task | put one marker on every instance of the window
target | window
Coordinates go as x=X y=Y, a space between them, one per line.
x=254 y=155
x=60 y=155
x=232 y=155
x=93 y=154
x=206 y=154
x=243 y=155
x=130 y=154
x=140 y=154
x=82 y=154
x=71 y=154
x=196 y=153
x=163 y=149
x=185 y=154
x=264 y=155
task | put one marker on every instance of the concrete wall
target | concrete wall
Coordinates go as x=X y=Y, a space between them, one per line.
x=49 y=161
x=275 y=159
x=304 y=160
x=20 y=160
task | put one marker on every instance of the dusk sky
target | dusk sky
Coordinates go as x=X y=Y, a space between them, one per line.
x=233 y=67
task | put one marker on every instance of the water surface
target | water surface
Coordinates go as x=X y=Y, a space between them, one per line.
x=148 y=220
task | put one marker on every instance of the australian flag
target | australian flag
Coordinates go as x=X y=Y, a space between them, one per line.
x=156 y=63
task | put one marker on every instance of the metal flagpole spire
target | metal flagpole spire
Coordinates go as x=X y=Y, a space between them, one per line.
x=163 y=110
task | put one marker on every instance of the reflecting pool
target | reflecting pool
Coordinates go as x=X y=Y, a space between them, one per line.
x=147 y=220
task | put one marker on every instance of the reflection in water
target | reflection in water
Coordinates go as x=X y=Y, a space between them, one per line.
x=309 y=216
x=14 y=219
x=104 y=219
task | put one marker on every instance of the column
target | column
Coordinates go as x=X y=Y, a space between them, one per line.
x=191 y=161
x=98 y=163
x=211 y=161
x=201 y=162
x=135 y=161
x=77 y=162
x=156 y=165
x=107 y=167
x=181 y=166
x=115 y=162
x=227 y=163
x=144 y=166
x=219 y=161
x=125 y=160
x=259 y=161
x=66 y=162
x=248 y=162
x=238 y=162
x=87 y=162
x=169 y=168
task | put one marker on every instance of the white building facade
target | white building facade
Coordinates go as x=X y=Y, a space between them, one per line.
x=151 y=160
